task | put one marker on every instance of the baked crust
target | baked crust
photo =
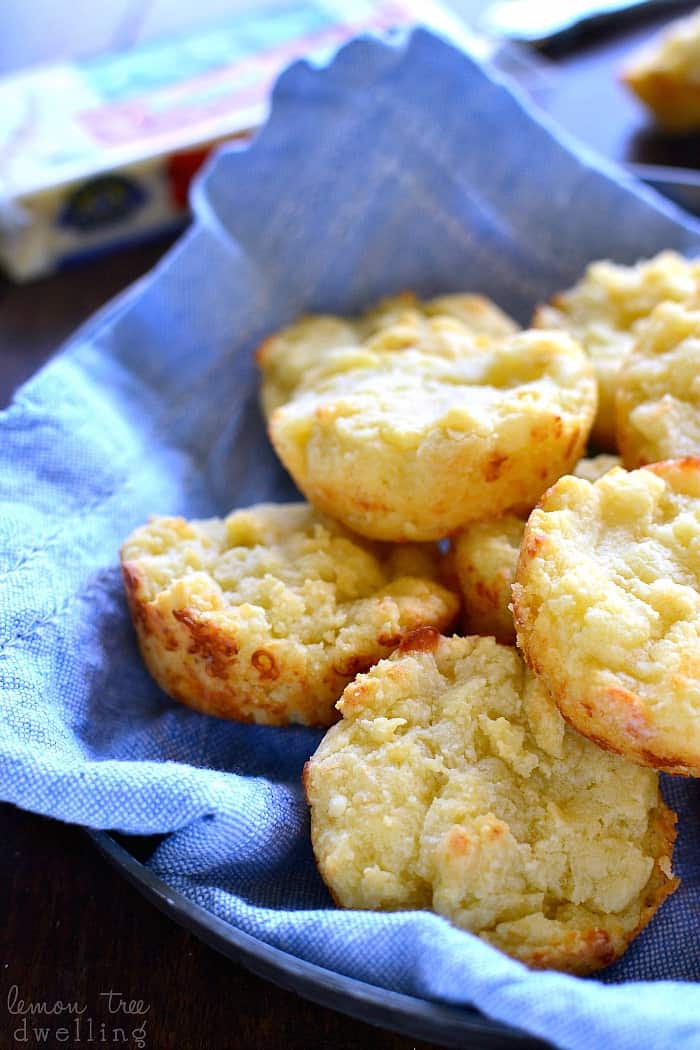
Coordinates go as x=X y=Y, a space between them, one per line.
x=266 y=615
x=665 y=75
x=603 y=312
x=657 y=404
x=484 y=558
x=425 y=426
x=285 y=357
x=453 y=784
x=607 y=609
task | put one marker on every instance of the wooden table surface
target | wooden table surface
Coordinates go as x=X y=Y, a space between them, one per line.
x=74 y=930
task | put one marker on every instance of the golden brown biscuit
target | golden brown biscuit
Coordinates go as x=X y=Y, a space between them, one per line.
x=603 y=311
x=285 y=357
x=658 y=395
x=607 y=609
x=484 y=558
x=452 y=784
x=666 y=75
x=426 y=426
x=477 y=313
x=266 y=615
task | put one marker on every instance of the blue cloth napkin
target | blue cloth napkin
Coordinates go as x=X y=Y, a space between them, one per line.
x=400 y=165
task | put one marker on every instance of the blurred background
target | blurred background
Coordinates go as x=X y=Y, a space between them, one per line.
x=50 y=30
x=108 y=109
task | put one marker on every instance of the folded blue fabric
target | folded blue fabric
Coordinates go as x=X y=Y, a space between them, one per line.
x=398 y=166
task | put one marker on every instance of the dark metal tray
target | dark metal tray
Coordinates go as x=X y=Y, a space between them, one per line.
x=442 y=1024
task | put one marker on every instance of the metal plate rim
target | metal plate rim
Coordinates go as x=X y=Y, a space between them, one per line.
x=451 y=1026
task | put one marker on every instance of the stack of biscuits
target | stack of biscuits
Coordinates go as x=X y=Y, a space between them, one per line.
x=504 y=776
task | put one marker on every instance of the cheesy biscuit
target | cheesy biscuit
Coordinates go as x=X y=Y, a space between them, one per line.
x=666 y=75
x=658 y=395
x=453 y=784
x=477 y=313
x=286 y=357
x=603 y=311
x=607 y=609
x=426 y=426
x=484 y=557
x=266 y=615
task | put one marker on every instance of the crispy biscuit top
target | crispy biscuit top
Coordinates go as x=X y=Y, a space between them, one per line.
x=410 y=380
x=604 y=310
x=658 y=395
x=453 y=783
x=611 y=298
x=297 y=574
x=666 y=75
x=286 y=357
x=607 y=604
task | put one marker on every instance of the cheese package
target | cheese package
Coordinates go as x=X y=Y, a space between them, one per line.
x=100 y=154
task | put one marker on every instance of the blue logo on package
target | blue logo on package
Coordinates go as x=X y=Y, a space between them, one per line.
x=101 y=202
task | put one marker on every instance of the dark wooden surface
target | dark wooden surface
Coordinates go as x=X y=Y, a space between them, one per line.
x=72 y=929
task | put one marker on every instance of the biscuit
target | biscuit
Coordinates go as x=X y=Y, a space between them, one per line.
x=477 y=313
x=453 y=784
x=426 y=426
x=286 y=357
x=607 y=609
x=657 y=404
x=603 y=311
x=484 y=557
x=266 y=615
x=664 y=75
